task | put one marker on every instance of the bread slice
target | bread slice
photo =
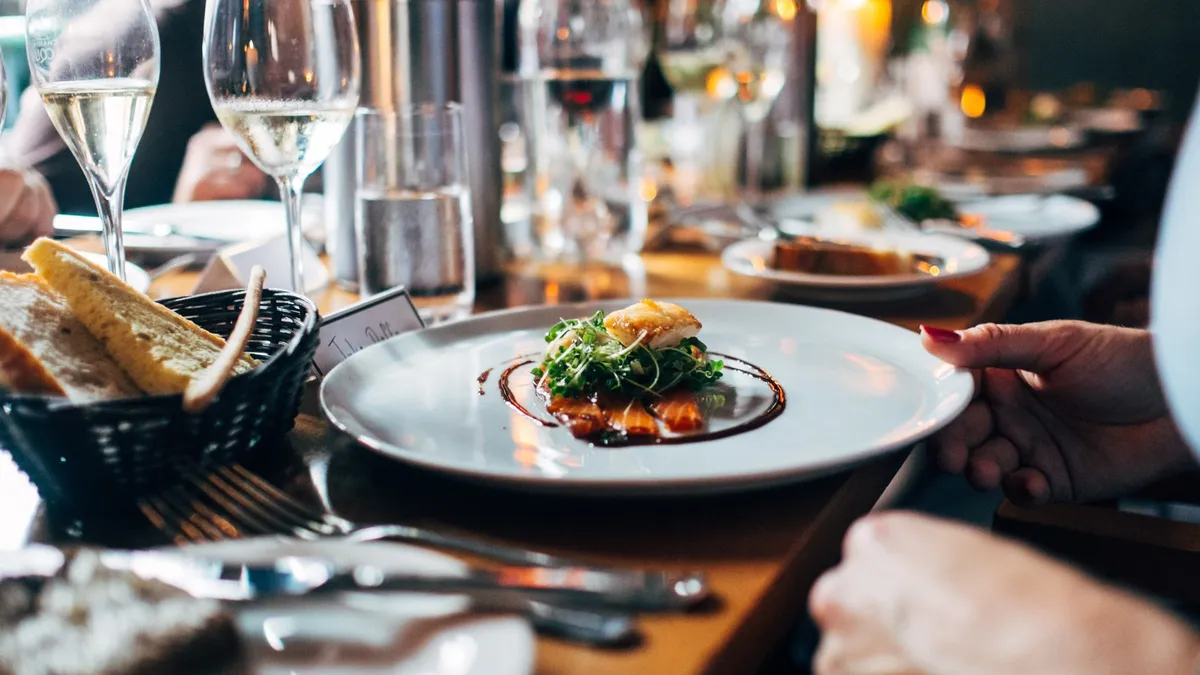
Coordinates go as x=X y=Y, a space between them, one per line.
x=160 y=350
x=44 y=349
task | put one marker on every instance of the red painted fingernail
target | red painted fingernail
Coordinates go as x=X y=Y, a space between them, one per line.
x=941 y=334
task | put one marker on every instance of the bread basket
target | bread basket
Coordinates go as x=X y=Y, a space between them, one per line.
x=104 y=455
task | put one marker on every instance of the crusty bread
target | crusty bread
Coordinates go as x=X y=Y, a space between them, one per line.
x=160 y=350
x=825 y=257
x=44 y=349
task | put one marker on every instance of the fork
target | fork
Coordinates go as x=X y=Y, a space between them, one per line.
x=239 y=503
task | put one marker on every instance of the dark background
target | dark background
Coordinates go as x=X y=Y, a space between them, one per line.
x=1153 y=44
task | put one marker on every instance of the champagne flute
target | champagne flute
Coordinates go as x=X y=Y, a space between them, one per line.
x=283 y=77
x=95 y=64
x=688 y=45
x=3 y=91
x=758 y=39
x=689 y=48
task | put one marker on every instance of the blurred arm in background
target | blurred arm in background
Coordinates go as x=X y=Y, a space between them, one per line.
x=181 y=110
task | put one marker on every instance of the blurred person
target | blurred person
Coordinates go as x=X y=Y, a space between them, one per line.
x=1064 y=411
x=27 y=208
x=182 y=156
x=214 y=167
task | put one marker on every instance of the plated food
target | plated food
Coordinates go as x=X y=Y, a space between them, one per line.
x=855 y=388
x=635 y=375
x=823 y=256
x=915 y=202
x=75 y=330
x=856 y=266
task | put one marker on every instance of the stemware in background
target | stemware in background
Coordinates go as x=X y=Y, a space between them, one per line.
x=413 y=208
x=584 y=61
x=757 y=35
x=3 y=91
x=95 y=64
x=688 y=45
x=690 y=50
x=283 y=77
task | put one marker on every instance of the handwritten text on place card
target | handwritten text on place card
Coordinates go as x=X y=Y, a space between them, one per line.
x=359 y=326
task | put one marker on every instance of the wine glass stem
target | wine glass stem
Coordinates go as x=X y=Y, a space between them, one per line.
x=110 y=206
x=291 y=190
x=755 y=132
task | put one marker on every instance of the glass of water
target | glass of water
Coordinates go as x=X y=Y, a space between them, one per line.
x=583 y=61
x=413 y=208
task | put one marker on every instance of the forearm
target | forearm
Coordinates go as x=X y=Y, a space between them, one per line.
x=1146 y=639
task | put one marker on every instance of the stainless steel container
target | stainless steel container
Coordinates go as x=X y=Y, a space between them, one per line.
x=429 y=51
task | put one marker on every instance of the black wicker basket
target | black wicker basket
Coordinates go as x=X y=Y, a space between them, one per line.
x=102 y=456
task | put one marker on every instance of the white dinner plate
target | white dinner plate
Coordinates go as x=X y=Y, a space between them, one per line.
x=377 y=633
x=752 y=258
x=855 y=388
x=1034 y=217
x=203 y=226
x=137 y=277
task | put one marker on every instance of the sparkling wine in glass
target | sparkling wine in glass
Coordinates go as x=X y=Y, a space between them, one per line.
x=757 y=35
x=283 y=77
x=95 y=64
x=689 y=48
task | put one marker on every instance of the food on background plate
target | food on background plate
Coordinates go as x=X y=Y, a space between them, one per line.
x=812 y=256
x=44 y=349
x=159 y=349
x=915 y=202
x=851 y=216
x=91 y=619
x=622 y=373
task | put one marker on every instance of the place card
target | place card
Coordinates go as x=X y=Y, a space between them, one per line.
x=361 y=325
x=230 y=267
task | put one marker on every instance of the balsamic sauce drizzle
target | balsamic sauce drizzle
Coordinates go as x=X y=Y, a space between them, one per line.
x=775 y=409
x=507 y=395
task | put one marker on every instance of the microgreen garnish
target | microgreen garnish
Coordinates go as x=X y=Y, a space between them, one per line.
x=584 y=360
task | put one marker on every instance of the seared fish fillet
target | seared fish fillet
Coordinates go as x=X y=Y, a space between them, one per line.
x=663 y=324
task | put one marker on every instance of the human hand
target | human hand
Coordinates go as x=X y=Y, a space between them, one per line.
x=918 y=595
x=1063 y=411
x=27 y=208
x=215 y=168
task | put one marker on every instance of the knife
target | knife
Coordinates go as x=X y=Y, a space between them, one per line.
x=66 y=225
x=298 y=576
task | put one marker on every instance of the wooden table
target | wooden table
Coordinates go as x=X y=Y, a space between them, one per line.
x=955 y=304
x=761 y=550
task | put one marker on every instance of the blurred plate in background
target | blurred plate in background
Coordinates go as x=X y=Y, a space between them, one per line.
x=958 y=258
x=200 y=226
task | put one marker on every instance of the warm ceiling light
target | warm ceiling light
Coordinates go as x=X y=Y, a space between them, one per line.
x=974 y=101
x=935 y=12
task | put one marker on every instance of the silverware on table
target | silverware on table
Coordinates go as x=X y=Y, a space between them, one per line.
x=232 y=502
x=67 y=224
x=297 y=576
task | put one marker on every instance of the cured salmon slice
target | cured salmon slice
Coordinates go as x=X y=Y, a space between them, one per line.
x=582 y=417
x=679 y=409
x=628 y=416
